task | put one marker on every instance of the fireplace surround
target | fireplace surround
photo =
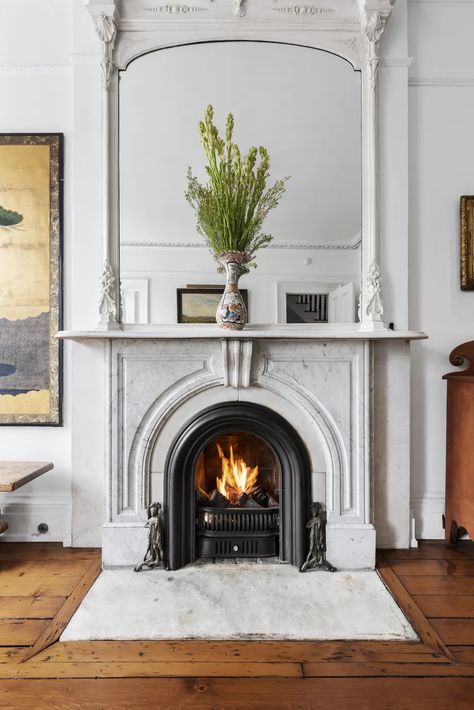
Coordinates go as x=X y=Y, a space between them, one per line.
x=179 y=481
x=344 y=392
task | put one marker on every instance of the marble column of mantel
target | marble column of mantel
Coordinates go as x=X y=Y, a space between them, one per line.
x=285 y=331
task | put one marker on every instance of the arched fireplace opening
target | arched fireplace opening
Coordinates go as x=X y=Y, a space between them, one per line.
x=237 y=484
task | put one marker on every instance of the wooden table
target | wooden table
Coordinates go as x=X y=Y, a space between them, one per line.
x=14 y=474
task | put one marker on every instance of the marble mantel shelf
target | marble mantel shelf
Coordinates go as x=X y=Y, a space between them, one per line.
x=281 y=331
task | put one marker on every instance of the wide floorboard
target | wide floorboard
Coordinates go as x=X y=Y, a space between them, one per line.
x=41 y=585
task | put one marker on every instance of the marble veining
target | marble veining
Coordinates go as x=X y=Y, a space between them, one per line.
x=322 y=388
x=233 y=601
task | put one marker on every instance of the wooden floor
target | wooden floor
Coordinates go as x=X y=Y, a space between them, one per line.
x=41 y=585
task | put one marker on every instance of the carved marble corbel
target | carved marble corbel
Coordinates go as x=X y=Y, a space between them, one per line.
x=236 y=362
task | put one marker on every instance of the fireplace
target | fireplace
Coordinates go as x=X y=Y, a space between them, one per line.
x=237 y=491
x=237 y=485
x=299 y=408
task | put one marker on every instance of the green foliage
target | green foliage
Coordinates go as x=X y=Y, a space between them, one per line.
x=231 y=208
x=9 y=218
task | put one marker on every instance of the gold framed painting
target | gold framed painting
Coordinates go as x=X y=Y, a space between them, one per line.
x=31 y=179
x=467 y=242
x=198 y=304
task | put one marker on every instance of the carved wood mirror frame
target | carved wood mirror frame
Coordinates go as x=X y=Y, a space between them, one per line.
x=124 y=37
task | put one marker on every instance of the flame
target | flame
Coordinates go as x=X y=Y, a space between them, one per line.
x=237 y=477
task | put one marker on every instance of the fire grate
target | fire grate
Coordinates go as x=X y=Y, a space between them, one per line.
x=238 y=532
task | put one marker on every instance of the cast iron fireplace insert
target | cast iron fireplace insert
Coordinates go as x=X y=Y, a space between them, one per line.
x=237 y=484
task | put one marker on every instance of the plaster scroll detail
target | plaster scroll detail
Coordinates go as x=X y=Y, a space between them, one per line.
x=107 y=300
x=107 y=33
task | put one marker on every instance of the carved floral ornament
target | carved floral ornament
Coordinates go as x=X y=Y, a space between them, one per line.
x=373 y=25
x=239 y=9
x=107 y=302
x=107 y=33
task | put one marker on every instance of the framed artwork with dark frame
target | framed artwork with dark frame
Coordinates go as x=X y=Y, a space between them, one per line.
x=198 y=304
x=467 y=242
x=31 y=180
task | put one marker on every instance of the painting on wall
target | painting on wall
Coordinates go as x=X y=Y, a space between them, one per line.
x=198 y=304
x=467 y=242
x=30 y=278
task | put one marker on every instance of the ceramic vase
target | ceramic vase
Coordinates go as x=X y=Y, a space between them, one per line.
x=231 y=312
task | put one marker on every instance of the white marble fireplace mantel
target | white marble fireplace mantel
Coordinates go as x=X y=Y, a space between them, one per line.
x=345 y=390
x=280 y=330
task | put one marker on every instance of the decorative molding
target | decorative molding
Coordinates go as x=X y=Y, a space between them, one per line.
x=428 y=509
x=176 y=9
x=24 y=511
x=373 y=288
x=354 y=243
x=131 y=474
x=395 y=62
x=236 y=362
x=304 y=10
x=106 y=32
x=448 y=3
x=440 y=81
x=107 y=299
x=34 y=68
x=239 y=8
x=341 y=478
x=373 y=25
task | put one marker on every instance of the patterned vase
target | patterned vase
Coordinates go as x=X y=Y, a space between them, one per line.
x=231 y=312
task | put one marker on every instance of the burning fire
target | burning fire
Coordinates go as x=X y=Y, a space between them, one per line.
x=237 y=477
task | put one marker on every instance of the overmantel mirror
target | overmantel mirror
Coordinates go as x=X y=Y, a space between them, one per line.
x=301 y=80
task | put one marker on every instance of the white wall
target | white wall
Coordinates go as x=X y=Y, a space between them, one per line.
x=35 y=85
x=441 y=111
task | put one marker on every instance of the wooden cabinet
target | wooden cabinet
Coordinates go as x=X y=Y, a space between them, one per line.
x=459 y=509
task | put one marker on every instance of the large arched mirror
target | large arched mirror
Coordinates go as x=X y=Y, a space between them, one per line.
x=304 y=105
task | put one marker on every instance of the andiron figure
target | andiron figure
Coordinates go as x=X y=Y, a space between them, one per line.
x=316 y=558
x=154 y=556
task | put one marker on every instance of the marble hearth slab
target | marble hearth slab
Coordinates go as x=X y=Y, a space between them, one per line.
x=244 y=601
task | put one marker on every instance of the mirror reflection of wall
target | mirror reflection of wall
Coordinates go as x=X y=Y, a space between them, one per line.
x=303 y=105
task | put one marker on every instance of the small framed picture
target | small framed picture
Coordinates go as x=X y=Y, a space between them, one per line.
x=467 y=242
x=198 y=304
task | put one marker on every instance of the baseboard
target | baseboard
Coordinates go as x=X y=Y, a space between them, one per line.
x=24 y=512
x=428 y=511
